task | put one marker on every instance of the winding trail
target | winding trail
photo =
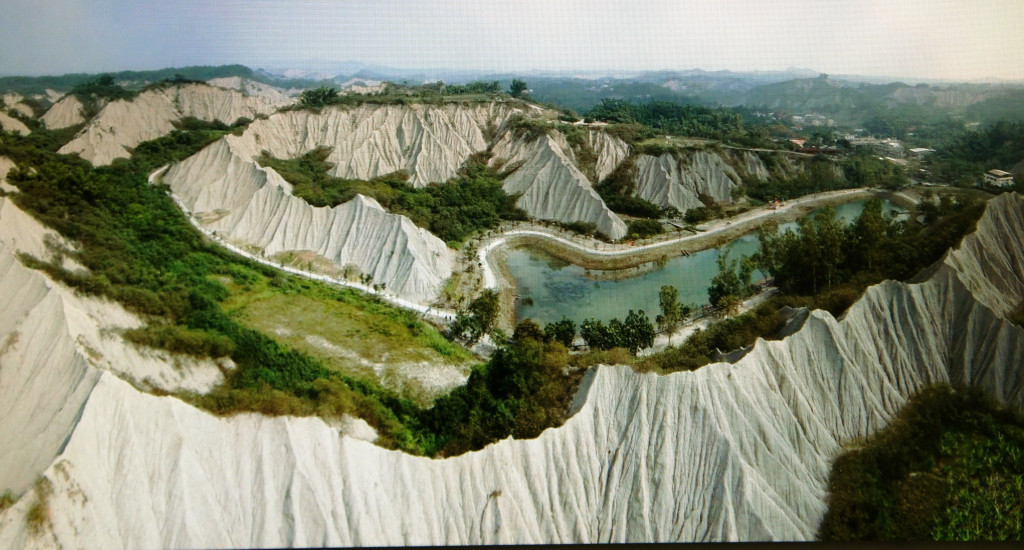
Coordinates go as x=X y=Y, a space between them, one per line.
x=491 y=280
x=444 y=315
x=746 y=220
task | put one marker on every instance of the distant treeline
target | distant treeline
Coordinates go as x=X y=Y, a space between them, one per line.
x=667 y=117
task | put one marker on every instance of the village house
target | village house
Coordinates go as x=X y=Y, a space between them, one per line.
x=998 y=178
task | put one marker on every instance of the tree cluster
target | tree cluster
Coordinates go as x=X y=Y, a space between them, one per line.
x=633 y=334
x=477 y=319
x=472 y=201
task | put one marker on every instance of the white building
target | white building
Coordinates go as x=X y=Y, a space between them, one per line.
x=999 y=177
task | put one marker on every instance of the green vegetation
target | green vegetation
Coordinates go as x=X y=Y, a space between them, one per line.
x=38 y=515
x=27 y=85
x=642 y=229
x=478 y=319
x=399 y=94
x=633 y=334
x=732 y=282
x=471 y=201
x=104 y=88
x=964 y=159
x=823 y=253
x=950 y=466
x=672 y=313
x=673 y=118
x=825 y=266
x=618 y=191
x=6 y=500
x=517 y=88
x=179 y=339
x=563 y=331
x=521 y=391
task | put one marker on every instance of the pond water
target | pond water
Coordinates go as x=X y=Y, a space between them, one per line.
x=557 y=288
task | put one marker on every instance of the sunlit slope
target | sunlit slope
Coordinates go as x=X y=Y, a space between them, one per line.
x=69 y=111
x=121 y=125
x=729 y=452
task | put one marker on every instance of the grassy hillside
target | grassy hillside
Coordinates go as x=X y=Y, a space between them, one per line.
x=950 y=466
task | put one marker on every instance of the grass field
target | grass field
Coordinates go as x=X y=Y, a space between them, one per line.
x=351 y=333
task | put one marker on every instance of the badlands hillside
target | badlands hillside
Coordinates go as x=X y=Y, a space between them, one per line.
x=121 y=125
x=430 y=143
x=553 y=176
x=115 y=440
x=729 y=452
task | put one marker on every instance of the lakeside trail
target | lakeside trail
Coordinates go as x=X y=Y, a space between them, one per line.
x=437 y=314
x=587 y=252
x=592 y=254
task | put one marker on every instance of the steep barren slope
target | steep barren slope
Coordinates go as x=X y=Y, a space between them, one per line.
x=54 y=346
x=11 y=124
x=123 y=124
x=250 y=205
x=611 y=151
x=551 y=185
x=679 y=179
x=66 y=112
x=251 y=88
x=429 y=141
x=729 y=452
x=14 y=102
x=6 y=165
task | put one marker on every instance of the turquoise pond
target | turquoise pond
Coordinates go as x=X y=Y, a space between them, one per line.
x=558 y=288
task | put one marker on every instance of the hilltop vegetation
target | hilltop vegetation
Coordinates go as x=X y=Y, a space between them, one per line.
x=470 y=202
x=968 y=155
x=948 y=467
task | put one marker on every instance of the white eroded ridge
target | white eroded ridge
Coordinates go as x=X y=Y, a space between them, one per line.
x=680 y=179
x=123 y=124
x=728 y=452
x=254 y=206
x=11 y=124
x=550 y=184
x=69 y=111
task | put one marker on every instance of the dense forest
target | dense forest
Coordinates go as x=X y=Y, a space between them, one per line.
x=963 y=159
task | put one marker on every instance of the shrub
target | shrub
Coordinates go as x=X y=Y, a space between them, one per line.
x=641 y=229
x=38 y=515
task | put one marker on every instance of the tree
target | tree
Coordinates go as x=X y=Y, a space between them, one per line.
x=672 y=312
x=637 y=332
x=518 y=88
x=563 y=331
x=732 y=280
x=528 y=329
x=478 y=319
x=318 y=97
x=868 y=235
x=596 y=335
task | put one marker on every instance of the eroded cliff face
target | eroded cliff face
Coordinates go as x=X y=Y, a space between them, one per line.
x=123 y=124
x=728 y=452
x=550 y=184
x=11 y=124
x=54 y=347
x=244 y=202
x=679 y=179
x=251 y=205
x=69 y=111
x=430 y=142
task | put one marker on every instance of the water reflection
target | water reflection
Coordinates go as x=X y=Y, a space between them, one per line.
x=558 y=288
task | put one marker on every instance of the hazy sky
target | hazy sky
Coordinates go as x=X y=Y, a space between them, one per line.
x=950 y=39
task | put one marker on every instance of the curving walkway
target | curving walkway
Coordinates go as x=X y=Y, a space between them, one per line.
x=580 y=246
x=444 y=315
x=490 y=279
